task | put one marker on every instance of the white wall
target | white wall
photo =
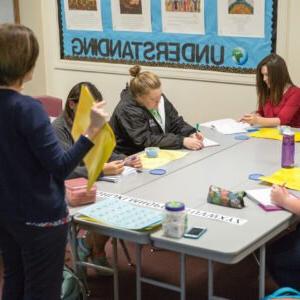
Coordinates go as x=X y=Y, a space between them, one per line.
x=197 y=100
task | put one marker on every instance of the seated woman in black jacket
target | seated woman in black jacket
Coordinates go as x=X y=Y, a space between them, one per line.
x=144 y=117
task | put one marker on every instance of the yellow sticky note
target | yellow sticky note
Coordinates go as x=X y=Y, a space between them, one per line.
x=289 y=177
x=271 y=133
x=104 y=142
x=164 y=157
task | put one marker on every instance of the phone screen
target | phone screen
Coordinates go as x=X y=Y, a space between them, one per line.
x=194 y=232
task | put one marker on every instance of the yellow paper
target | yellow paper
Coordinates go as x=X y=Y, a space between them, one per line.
x=271 y=133
x=288 y=177
x=104 y=142
x=164 y=157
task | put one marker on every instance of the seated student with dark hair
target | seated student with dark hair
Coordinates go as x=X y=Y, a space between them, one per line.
x=278 y=97
x=94 y=244
x=145 y=117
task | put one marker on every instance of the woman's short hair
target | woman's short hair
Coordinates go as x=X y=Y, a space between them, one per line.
x=278 y=76
x=19 y=50
x=74 y=95
x=142 y=82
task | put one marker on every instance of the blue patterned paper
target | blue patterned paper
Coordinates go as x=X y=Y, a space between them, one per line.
x=119 y=213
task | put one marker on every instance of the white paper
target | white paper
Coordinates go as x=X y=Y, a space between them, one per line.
x=227 y=126
x=134 y=15
x=82 y=15
x=236 y=18
x=208 y=143
x=262 y=196
x=116 y=178
x=185 y=16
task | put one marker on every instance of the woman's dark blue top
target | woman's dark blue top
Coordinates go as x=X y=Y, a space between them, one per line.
x=32 y=164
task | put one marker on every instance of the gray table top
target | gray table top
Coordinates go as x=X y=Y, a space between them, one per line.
x=188 y=179
x=229 y=169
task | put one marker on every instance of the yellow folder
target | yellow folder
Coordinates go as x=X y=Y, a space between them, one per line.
x=288 y=177
x=164 y=157
x=104 y=142
x=272 y=133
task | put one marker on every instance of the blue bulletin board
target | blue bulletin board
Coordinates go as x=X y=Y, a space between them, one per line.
x=216 y=48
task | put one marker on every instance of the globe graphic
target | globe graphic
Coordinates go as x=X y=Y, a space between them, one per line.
x=239 y=55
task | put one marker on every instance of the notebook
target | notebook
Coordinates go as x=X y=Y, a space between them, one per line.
x=263 y=198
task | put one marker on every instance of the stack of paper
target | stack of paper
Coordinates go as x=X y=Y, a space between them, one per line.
x=116 y=212
x=116 y=178
x=263 y=198
x=227 y=126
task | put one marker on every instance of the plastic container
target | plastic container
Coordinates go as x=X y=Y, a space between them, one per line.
x=288 y=149
x=152 y=152
x=77 y=193
x=175 y=219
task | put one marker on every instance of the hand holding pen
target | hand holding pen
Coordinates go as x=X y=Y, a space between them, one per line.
x=279 y=194
x=198 y=135
x=133 y=161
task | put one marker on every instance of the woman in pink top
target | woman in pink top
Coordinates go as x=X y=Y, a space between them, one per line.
x=278 y=97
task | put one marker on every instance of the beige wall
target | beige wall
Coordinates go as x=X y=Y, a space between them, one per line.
x=197 y=95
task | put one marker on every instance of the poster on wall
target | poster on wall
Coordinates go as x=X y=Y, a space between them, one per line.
x=244 y=18
x=83 y=15
x=131 y=15
x=219 y=35
x=186 y=16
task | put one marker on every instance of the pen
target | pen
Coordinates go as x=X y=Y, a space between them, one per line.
x=198 y=127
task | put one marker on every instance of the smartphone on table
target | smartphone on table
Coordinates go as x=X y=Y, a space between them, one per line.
x=195 y=232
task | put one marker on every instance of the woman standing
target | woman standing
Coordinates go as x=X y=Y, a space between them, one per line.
x=278 y=97
x=33 y=214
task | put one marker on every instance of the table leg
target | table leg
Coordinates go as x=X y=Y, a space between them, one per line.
x=262 y=271
x=210 y=280
x=182 y=276
x=115 y=267
x=138 y=272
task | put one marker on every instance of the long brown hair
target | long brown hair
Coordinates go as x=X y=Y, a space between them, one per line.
x=74 y=96
x=142 y=82
x=278 y=76
x=19 y=50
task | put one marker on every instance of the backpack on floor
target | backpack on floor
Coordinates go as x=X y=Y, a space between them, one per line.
x=284 y=293
x=72 y=287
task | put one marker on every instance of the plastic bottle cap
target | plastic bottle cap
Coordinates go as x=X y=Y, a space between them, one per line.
x=174 y=206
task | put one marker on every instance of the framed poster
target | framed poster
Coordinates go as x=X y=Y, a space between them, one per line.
x=218 y=35
x=9 y=12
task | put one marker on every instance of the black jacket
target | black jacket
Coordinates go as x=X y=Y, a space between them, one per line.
x=135 y=127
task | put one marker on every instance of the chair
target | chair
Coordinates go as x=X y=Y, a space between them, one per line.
x=52 y=105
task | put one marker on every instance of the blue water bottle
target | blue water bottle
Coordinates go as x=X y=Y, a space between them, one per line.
x=288 y=149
